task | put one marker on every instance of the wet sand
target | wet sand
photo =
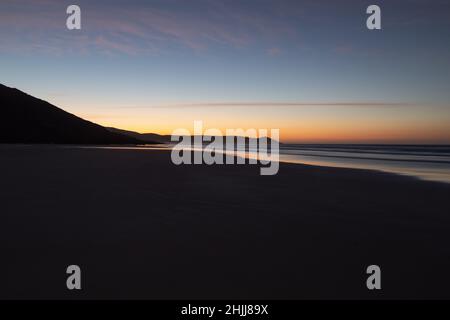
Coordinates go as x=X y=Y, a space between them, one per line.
x=142 y=228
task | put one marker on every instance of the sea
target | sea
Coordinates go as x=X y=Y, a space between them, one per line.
x=427 y=162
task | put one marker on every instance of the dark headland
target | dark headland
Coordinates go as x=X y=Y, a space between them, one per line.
x=26 y=119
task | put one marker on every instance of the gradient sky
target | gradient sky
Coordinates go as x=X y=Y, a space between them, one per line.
x=310 y=68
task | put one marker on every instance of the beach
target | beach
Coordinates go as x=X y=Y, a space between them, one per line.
x=140 y=227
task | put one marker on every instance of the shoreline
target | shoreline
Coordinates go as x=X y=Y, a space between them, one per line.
x=427 y=176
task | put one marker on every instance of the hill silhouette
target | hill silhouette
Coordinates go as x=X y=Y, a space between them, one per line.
x=153 y=137
x=146 y=137
x=26 y=119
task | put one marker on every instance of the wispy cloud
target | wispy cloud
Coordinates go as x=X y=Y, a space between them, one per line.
x=273 y=52
x=280 y=104
x=139 y=28
x=344 y=49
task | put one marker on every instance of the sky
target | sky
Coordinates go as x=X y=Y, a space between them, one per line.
x=309 y=68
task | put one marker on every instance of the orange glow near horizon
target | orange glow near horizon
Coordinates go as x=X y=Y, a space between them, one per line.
x=297 y=125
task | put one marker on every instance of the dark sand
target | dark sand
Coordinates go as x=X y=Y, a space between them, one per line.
x=140 y=227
